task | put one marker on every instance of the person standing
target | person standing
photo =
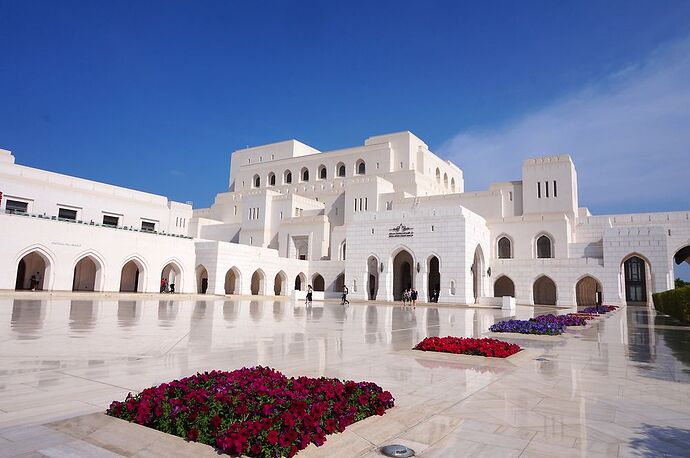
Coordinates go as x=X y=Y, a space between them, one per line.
x=307 y=301
x=172 y=288
x=162 y=285
x=38 y=281
x=344 y=298
x=413 y=297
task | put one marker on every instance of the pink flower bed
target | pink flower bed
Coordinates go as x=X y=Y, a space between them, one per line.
x=468 y=346
x=257 y=412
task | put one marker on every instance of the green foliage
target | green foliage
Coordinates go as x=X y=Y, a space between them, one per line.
x=674 y=302
x=681 y=284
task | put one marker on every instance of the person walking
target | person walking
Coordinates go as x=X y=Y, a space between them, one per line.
x=307 y=301
x=172 y=288
x=413 y=297
x=344 y=298
x=37 y=281
x=162 y=285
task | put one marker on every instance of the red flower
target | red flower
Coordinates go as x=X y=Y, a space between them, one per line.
x=193 y=434
x=272 y=437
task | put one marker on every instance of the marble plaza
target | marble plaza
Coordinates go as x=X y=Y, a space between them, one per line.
x=618 y=388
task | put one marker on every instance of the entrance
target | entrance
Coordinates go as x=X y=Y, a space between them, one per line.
x=258 y=280
x=403 y=277
x=317 y=283
x=280 y=284
x=434 y=279
x=32 y=266
x=232 y=281
x=635 y=280
x=588 y=292
x=504 y=286
x=372 y=277
x=129 y=278
x=544 y=291
x=478 y=273
x=201 y=279
x=85 y=273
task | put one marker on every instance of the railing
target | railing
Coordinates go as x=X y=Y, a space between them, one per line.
x=92 y=223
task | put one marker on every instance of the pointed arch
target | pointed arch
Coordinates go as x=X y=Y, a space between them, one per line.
x=360 y=167
x=403 y=264
x=544 y=246
x=88 y=272
x=173 y=273
x=339 y=283
x=304 y=174
x=372 y=283
x=256 y=181
x=445 y=180
x=504 y=247
x=301 y=282
x=280 y=284
x=233 y=281
x=133 y=275
x=258 y=285
x=317 y=282
x=287 y=177
x=636 y=276
x=587 y=291
x=544 y=291
x=478 y=273
x=452 y=185
x=271 y=179
x=322 y=172
x=201 y=275
x=438 y=175
x=433 y=263
x=340 y=170
x=35 y=260
x=504 y=286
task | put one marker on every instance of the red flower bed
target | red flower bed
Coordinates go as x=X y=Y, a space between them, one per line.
x=469 y=346
x=257 y=411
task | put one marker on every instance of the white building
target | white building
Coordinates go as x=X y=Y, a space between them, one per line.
x=379 y=217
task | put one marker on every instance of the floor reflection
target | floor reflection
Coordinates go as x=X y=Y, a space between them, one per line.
x=27 y=318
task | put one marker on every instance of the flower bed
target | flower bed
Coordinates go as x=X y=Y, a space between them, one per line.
x=549 y=328
x=599 y=309
x=257 y=411
x=570 y=319
x=468 y=346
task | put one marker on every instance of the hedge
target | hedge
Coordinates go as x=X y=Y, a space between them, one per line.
x=674 y=302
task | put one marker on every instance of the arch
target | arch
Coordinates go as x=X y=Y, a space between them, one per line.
x=433 y=277
x=340 y=170
x=258 y=283
x=504 y=286
x=88 y=273
x=271 y=179
x=372 y=277
x=339 y=283
x=544 y=291
x=478 y=273
x=438 y=175
x=360 y=167
x=504 y=247
x=172 y=274
x=544 y=246
x=287 y=177
x=31 y=262
x=587 y=291
x=304 y=174
x=636 y=272
x=201 y=279
x=452 y=185
x=322 y=172
x=280 y=284
x=317 y=282
x=681 y=255
x=403 y=272
x=301 y=282
x=342 y=251
x=445 y=180
x=256 y=181
x=133 y=276
x=232 y=284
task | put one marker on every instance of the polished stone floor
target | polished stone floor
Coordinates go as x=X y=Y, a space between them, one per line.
x=619 y=388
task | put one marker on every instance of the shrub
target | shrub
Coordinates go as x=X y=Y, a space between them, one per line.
x=468 y=346
x=257 y=412
x=674 y=302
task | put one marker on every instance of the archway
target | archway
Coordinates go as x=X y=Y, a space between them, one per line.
x=258 y=280
x=280 y=284
x=544 y=291
x=317 y=282
x=504 y=286
x=132 y=277
x=87 y=275
x=300 y=282
x=586 y=291
x=339 y=283
x=201 y=279
x=636 y=272
x=372 y=277
x=434 y=278
x=172 y=274
x=31 y=271
x=478 y=273
x=232 y=281
x=403 y=275
x=681 y=256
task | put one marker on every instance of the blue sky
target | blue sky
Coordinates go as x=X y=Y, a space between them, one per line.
x=156 y=95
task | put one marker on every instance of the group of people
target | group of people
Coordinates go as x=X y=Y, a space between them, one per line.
x=167 y=287
x=409 y=297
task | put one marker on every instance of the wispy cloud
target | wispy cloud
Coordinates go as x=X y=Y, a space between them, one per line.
x=629 y=135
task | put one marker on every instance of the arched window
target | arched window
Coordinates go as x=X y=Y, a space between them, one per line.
x=504 y=248
x=323 y=174
x=257 y=181
x=287 y=177
x=438 y=175
x=340 y=169
x=271 y=179
x=343 y=246
x=445 y=180
x=305 y=174
x=361 y=167
x=544 y=249
x=452 y=185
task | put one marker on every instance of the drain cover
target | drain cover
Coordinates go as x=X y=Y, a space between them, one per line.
x=541 y=359
x=397 y=450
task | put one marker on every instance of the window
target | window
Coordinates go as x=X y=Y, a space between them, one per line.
x=322 y=172
x=234 y=210
x=65 y=213
x=361 y=167
x=389 y=205
x=547 y=188
x=510 y=195
x=538 y=189
x=305 y=174
x=366 y=204
x=544 y=247
x=14 y=206
x=257 y=181
x=432 y=228
x=271 y=179
x=148 y=226
x=504 y=248
x=287 y=177
x=438 y=175
x=555 y=189
x=111 y=221
x=341 y=169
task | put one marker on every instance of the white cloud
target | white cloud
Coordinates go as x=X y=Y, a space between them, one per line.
x=629 y=135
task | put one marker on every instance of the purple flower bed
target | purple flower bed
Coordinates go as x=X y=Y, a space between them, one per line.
x=565 y=320
x=544 y=327
x=599 y=309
